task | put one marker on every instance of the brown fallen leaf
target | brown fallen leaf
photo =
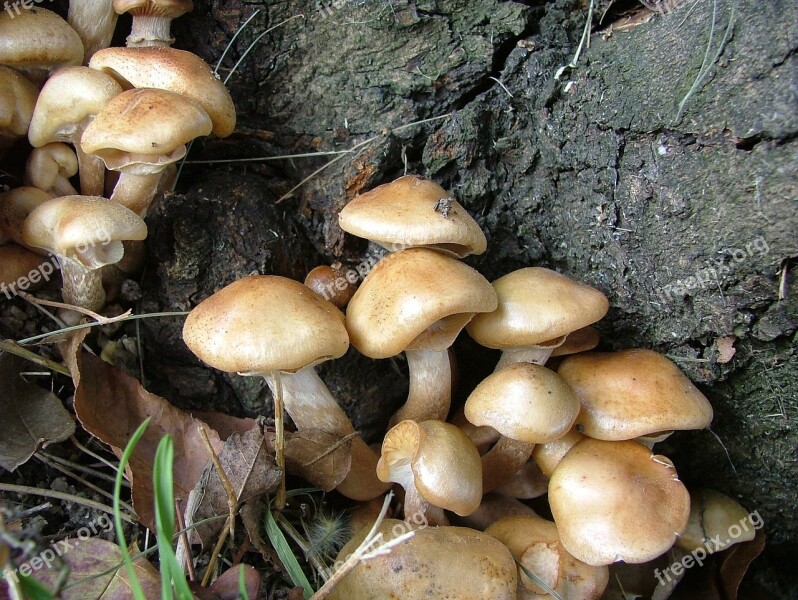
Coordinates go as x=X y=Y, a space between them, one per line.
x=87 y=559
x=725 y=348
x=317 y=457
x=224 y=425
x=32 y=416
x=251 y=517
x=111 y=404
x=226 y=586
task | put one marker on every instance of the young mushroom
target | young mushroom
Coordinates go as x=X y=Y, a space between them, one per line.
x=537 y=308
x=276 y=328
x=50 y=167
x=21 y=270
x=417 y=302
x=15 y=206
x=152 y=19
x=85 y=233
x=438 y=467
x=712 y=517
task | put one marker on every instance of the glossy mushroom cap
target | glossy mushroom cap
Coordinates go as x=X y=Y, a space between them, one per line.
x=437 y=563
x=633 y=393
x=537 y=305
x=265 y=323
x=712 y=515
x=438 y=460
x=581 y=340
x=17 y=100
x=548 y=456
x=535 y=543
x=140 y=131
x=173 y=70
x=415 y=299
x=525 y=402
x=617 y=501
x=331 y=284
x=413 y=211
x=50 y=167
x=38 y=41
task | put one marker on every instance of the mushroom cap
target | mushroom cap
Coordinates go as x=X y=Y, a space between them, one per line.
x=69 y=99
x=445 y=465
x=265 y=323
x=535 y=543
x=331 y=284
x=417 y=298
x=525 y=402
x=617 y=501
x=88 y=228
x=173 y=70
x=581 y=340
x=49 y=164
x=17 y=262
x=15 y=206
x=143 y=130
x=170 y=9
x=38 y=39
x=711 y=515
x=413 y=211
x=548 y=456
x=633 y=393
x=437 y=563
x=537 y=305
x=17 y=100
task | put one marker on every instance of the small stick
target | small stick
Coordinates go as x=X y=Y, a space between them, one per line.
x=24 y=489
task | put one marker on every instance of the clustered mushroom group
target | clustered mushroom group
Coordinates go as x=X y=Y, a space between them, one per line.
x=553 y=418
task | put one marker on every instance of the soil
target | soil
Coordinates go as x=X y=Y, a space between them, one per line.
x=686 y=219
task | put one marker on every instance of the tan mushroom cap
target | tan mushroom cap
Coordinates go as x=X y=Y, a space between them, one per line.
x=581 y=340
x=69 y=99
x=15 y=206
x=537 y=305
x=712 y=515
x=525 y=402
x=417 y=298
x=437 y=563
x=38 y=39
x=548 y=456
x=17 y=100
x=617 y=501
x=413 y=211
x=173 y=70
x=88 y=228
x=535 y=543
x=445 y=465
x=144 y=128
x=160 y=8
x=265 y=323
x=17 y=263
x=633 y=393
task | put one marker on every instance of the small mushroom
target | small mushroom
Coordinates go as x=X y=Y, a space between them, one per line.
x=152 y=19
x=417 y=302
x=15 y=206
x=438 y=467
x=50 y=167
x=548 y=455
x=537 y=308
x=331 y=284
x=85 y=233
x=713 y=519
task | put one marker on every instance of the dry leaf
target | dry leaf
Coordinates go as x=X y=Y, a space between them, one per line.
x=251 y=517
x=224 y=425
x=318 y=457
x=725 y=348
x=111 y=404
x=32 y=416
x=226 y=586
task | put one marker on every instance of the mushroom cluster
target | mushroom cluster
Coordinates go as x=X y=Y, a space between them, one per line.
x=86 y=109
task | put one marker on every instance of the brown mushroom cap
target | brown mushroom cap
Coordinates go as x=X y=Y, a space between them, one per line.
x=17 y=263
x=144 y=129
x=548 y=456
x=17 y=100
x=331 y=284
x=712 y=514
x=265 y=323
x=617 y=501
x=525 y=402
x=413 y=211
x=581 y=340
x=15 y=206
x=443 y=463
x=633 y=393
x=535 y=543
x=173 y=70
x=537 y=305
x=161 y=8
x=38 y=39
x=417 y=298
x=437 y=563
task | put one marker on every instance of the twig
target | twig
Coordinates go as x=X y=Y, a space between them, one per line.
x=77 y=467
x=14 y=348
x=84 y=449
x=23 y=489
x=192 y=575
x=232 y=499
x=85 y=311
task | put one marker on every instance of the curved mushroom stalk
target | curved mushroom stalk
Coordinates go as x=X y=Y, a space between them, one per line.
x=416 y=507
x=430 y=392
x=503 y=461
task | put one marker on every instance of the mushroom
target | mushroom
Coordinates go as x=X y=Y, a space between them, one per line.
x=527 y=404
x=617 y=501
x=84 y=233
x=713 y=519
x=94 y=21
x=436 y=563
x=21 y=269
x=38 y=42
x=331 y=284
x=417 y=301
x=537 y=308
x=413 y=211
x=526 y=483
x=493 y=507
x=633 y=393
x=50 y=167
x=139 y=133
x=152 y=19
x=535 y=544
x=548 y=455
x=175 y=71
x=438 y=467
x=15 y=206
x=276 y=328
x=68 y=102
x=17 y=99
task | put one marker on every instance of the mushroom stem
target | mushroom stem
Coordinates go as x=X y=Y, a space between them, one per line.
x=82 y=286
x=150 y=30
x=91 y=169
x=430 y=387
x=503 y=461
x=136 y=191
x=95 y=22
x=416 y=508
x=537 y=354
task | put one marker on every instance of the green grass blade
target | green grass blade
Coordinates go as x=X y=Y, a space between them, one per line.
x=283 y=549
x=242 y=584
x=33 y=589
